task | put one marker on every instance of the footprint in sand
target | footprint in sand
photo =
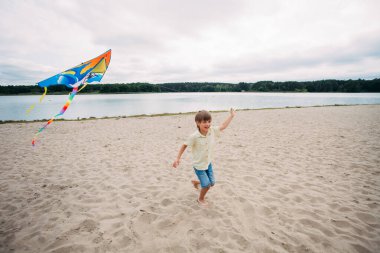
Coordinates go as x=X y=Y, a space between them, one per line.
x=360 y=248
x=367 y=218
x=166 y=202
x=340 y=223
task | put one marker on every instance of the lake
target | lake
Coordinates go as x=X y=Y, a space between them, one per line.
x=101 y=105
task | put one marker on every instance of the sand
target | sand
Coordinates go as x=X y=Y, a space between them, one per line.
x=288 y=180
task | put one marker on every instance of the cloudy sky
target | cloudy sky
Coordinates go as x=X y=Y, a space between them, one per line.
x=192 y=40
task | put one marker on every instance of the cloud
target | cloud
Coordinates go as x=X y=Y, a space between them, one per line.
x=198 y=40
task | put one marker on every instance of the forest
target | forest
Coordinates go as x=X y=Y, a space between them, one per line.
x=359 y=85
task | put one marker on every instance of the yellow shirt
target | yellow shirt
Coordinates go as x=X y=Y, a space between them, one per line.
x=202 y=147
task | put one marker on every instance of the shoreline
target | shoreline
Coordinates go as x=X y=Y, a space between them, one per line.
x=174 y=114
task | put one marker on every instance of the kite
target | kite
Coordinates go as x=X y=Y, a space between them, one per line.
x=76 y=78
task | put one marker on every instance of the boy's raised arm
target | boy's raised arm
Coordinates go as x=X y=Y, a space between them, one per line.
x=228 y=120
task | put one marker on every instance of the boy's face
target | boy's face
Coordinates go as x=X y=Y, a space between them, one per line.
x=204 y=125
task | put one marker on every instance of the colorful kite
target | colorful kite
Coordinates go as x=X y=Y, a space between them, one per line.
x=77 y=78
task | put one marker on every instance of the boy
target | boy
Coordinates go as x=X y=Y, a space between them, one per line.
x=202 y=143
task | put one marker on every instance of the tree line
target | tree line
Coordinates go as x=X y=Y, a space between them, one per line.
x=359 y=85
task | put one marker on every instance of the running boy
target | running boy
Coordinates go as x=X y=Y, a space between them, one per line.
x=202 y=143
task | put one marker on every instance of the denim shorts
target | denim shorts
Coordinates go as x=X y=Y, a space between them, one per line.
x=206 y=177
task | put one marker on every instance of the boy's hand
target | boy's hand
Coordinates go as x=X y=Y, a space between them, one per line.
x=175 y=163
x=232 y=112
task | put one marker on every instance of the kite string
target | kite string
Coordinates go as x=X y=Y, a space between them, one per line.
x=85 y=84
x=64 y=108
x=170 y=88
x=33 y=105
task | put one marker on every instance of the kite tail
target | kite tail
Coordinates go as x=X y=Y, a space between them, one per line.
x=33 y=105
x=64 y=108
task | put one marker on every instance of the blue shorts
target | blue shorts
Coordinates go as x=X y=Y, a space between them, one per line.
x=206 y=177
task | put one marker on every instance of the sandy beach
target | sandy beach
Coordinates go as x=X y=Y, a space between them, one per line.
x=287 y=180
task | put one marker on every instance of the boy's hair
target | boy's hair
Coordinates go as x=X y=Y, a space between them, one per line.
x=202 y=116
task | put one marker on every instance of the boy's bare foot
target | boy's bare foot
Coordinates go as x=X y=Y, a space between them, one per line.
x=195 y=184
x=202 y=203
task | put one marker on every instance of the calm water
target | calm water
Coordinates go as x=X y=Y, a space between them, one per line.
x=85 y=106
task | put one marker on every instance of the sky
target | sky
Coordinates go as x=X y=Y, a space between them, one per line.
x=159 y=41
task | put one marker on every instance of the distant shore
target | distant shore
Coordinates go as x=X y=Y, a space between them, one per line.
x=332 y=85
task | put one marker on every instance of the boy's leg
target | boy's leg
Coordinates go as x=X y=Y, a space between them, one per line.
x=202 y=195
x=205 y=184
x=195 y=183
x=210 y=174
